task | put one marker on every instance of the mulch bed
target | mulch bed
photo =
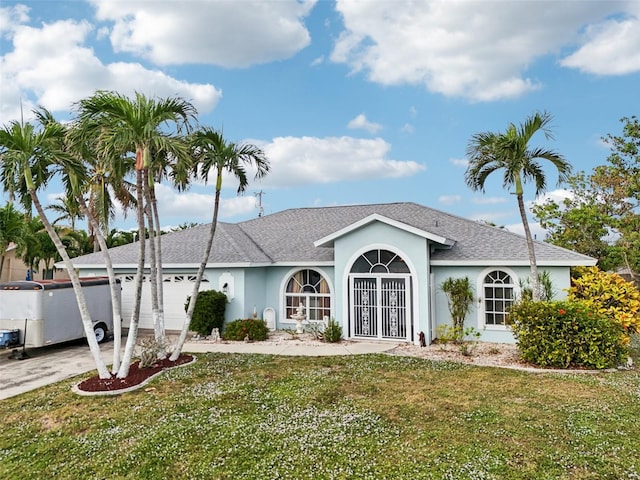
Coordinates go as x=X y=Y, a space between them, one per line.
x=137 y=375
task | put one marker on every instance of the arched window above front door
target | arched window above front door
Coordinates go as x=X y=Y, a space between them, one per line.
x=310 y=288
x=379 y=261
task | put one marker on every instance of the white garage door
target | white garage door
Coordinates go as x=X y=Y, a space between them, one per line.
x=176 y=290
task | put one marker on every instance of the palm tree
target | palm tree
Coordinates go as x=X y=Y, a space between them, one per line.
x=28 y=244
x=11 y=221
x=123 y=127
x=29 y=157
x=212 y=153
x=510 y=152
x=67 y=210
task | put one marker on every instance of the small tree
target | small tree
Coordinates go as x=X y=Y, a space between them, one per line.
x=459 y=299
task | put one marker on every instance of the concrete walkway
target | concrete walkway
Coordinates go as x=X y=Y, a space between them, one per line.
x=49 y=365
x=291 y=348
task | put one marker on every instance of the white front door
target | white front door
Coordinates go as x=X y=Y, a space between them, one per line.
x=380 y=306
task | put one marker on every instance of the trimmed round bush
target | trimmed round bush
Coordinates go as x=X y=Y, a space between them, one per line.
x=209 y=311
x=246 y=328
x=567 y=334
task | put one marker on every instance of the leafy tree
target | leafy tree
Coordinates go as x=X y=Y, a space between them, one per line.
x=213 y=154
x=510 y=152
x=602 y=216
x=618 y=182
x=580 y=222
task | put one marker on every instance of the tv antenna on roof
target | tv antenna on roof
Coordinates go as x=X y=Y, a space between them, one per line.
x=258 y=196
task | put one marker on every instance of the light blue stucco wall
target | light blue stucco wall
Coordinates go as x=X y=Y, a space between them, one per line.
x=560 y=278
x=413 y=249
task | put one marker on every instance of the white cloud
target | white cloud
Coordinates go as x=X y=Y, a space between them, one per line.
x=408 y=128
x=220 y=32
x=537 y=232
x=611 y=47
x=459 y=162
x=449 y=199
x=557 y=196
x=361 y=122
x=466 y=49
x=10 y=17
x=299 y=161
x=200 y=205
x=495 y=217
x=488 y=200
x=51 y=66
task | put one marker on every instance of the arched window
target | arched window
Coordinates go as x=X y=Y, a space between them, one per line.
x=379 y=261
x=310 y=288
x=498 y=289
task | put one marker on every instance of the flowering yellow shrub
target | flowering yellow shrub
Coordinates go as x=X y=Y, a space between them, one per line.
x=608 y=294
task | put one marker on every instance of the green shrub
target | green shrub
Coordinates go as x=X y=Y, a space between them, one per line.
x=608 y=294
x=448 y=334
x=251 y=328
x=209 y=311
x=445 y=333
x=566 y=334
x=332 y=332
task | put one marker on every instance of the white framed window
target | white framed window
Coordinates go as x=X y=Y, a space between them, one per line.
x=310 y=288
x=499 y=293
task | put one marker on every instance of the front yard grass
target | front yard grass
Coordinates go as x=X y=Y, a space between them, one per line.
x=379 y=417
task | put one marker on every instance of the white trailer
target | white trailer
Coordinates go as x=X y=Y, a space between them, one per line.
x=49 y=313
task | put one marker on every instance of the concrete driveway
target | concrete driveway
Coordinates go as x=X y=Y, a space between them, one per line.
x=47 y=365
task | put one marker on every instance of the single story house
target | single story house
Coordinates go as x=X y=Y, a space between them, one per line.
x=375 y=269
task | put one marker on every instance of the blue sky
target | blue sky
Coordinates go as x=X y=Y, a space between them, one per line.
x=368 y=101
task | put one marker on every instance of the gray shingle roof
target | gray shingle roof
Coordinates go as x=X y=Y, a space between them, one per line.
x=289 y=236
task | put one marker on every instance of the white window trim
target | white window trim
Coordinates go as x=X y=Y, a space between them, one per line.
x=283 y=292
x=515 y=279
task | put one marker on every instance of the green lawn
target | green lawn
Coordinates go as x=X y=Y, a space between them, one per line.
x=379 y=417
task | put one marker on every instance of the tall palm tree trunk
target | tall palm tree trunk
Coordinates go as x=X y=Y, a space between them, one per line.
x=196 y=286
x=115 y=298
x=159 y=268
x=535 y=283
x=153 y=264
x=132 y=336
x=87 y=323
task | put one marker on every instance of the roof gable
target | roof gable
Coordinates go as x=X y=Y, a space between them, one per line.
x=328 y=240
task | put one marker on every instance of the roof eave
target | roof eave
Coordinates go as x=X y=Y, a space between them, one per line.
x=516 y=263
